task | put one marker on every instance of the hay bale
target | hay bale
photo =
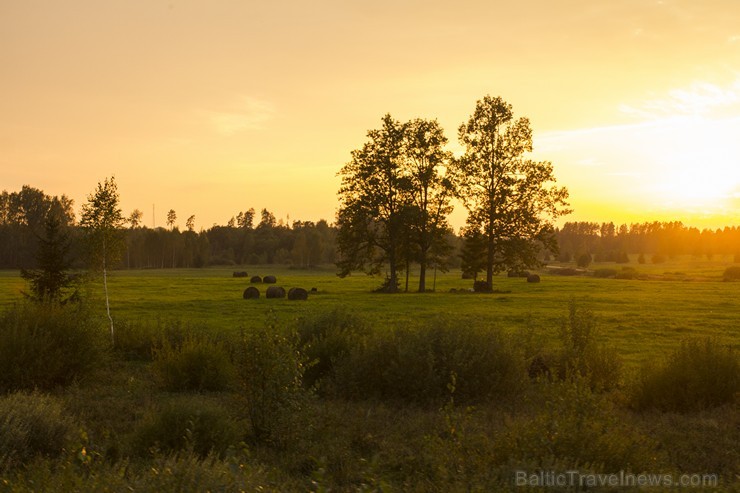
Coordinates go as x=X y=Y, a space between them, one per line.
x=482 y=287
x=275 y=292
x=297 y=294
x=269 y=279
x=240 y=274
x=255 y=279
x=533 y=278
x=251 y=293
x=314 y=290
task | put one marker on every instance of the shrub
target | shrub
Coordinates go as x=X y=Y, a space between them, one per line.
x=658 y=258
x=622 y=258
x=429 y=364
x=584 y=260
x=327 y=338
x=605 y=273
x=31 y=425
x=45 y=346
x=627 y=273
x=581 y=356
x=566 y=271
x=731 y=273
x=186 y=424
x=700 y=374
x=198 y=363
x=482 y=287
x=574 y=428
x=641 y=258
x=270 y=371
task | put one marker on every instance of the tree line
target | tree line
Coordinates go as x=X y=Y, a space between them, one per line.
x=23 y=230
x=609 y=242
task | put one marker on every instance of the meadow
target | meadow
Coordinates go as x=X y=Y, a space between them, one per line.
x=136 y=421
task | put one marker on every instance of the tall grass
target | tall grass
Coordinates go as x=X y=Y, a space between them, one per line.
x=46 y=346
x=700 y=374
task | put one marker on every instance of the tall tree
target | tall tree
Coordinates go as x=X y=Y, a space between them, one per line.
x=373 y=204
x=431 y=191
x=190 y=223
x=509 y=198
x=102 y=220
x=171 y=218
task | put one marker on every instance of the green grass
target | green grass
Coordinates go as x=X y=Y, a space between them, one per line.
x=374 y=444
x=683 y=298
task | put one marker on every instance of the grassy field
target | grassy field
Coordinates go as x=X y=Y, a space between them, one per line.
x=684 y=297
x=131 y=419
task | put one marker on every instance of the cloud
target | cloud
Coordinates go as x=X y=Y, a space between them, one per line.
x=701 y=98
x=249 y=114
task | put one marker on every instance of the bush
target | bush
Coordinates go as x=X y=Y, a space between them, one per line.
x=658 y=258
x=700 y=374
x=731 y=273
x=326 y=339
x=581 y=356
x=482 y=287
x=45 y=346
x=573 y=428
x=605 y=273
x=428 y=365
x=627 y=273
x=198 y=363
x=270 y=371
x=584 y=260
x=31 y=425
x=186 y=425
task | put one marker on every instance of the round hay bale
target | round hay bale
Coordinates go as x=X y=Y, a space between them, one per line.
x=297 y=294
x=269 y=279
x=275 y=292
x=255 y=279
x=251 y=293
x=314 y=290
x=533 y=278
x=240 y=273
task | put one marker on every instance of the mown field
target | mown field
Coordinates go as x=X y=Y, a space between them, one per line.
x=207 y=391
x=684 y=297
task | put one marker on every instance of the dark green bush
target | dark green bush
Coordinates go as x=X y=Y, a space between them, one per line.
x=658 y=258
x=270 y=372
x=700 y=374
x=574 y=428
x=584 y=260
x=31 y=425
x=732 y=273
x=605 y=272
x=325 y=339
x=45 y=346
x=581 y=354
x=187 y=424
x=198 y=363
x=628 y=273
x=431 y=364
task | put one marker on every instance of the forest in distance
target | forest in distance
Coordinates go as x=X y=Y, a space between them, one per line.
x=250 y=239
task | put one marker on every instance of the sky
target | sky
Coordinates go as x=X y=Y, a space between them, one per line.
x=211 y=107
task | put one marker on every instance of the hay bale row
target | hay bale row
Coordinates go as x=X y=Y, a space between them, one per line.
x=266 y=279
x=240 y=274
x=252 y=293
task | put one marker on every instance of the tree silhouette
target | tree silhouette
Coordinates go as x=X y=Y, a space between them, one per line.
x=51 y=279
x=171 y=218
x=509 y=198
x=373 y=204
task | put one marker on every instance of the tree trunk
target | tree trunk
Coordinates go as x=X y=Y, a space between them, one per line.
x=107 y=300
x=489 y=262
x=423 y=273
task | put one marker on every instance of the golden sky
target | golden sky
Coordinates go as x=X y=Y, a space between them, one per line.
x=212 y=107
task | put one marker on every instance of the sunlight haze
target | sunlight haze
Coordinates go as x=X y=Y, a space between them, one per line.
x=210 y=108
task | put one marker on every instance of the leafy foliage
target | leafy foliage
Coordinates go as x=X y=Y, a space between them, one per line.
x=700 y=374
x=198 y=363
x=45 y=346
x=507 y=196
x=30 y=425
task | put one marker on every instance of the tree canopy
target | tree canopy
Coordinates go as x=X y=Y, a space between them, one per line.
x=511 y=200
